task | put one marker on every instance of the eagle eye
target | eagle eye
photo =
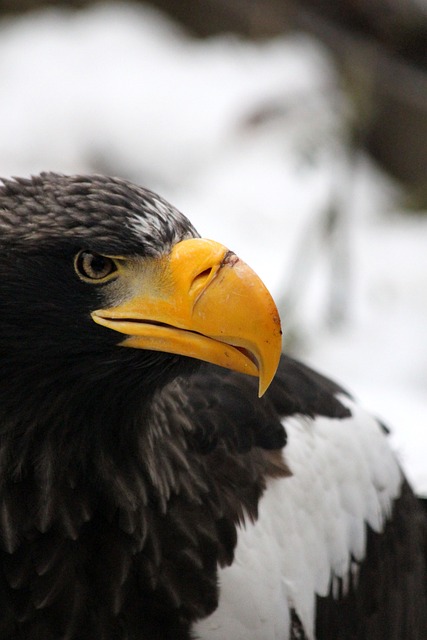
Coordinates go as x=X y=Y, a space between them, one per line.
x=94 y=266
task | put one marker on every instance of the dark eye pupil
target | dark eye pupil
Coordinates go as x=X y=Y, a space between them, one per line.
x=94 y=266
x=98 y=264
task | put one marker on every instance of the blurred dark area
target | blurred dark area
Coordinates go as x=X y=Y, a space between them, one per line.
x=380 y=46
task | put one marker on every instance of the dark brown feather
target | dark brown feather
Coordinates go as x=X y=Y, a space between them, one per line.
x=123 y=481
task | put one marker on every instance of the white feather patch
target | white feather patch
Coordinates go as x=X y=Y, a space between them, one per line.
x=310 y=525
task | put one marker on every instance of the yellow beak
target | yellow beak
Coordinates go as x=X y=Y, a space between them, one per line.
x=203 y=302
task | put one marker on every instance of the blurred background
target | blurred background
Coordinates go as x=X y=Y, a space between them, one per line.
x=293 y=131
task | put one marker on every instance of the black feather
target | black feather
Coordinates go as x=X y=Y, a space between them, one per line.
x=125 y=474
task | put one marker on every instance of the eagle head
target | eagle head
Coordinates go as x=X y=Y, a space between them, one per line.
x=101 y=280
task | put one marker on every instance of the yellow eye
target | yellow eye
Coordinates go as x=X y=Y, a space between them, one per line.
x=94 y=266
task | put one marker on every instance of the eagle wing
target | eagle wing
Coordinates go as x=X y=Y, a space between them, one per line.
x=335 y=547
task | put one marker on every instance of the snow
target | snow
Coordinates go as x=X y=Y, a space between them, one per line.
x=250 y=141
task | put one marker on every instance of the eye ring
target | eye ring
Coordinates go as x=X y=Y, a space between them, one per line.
x=94 y=267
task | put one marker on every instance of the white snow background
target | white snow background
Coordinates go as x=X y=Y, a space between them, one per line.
x=250 y=141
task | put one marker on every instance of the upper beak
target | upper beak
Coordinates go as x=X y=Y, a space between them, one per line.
x=204 y=302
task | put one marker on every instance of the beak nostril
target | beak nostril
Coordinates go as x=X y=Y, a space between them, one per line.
x=201 y=280
x=204 y=275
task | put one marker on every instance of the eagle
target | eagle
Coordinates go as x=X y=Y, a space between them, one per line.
x=165 y=473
